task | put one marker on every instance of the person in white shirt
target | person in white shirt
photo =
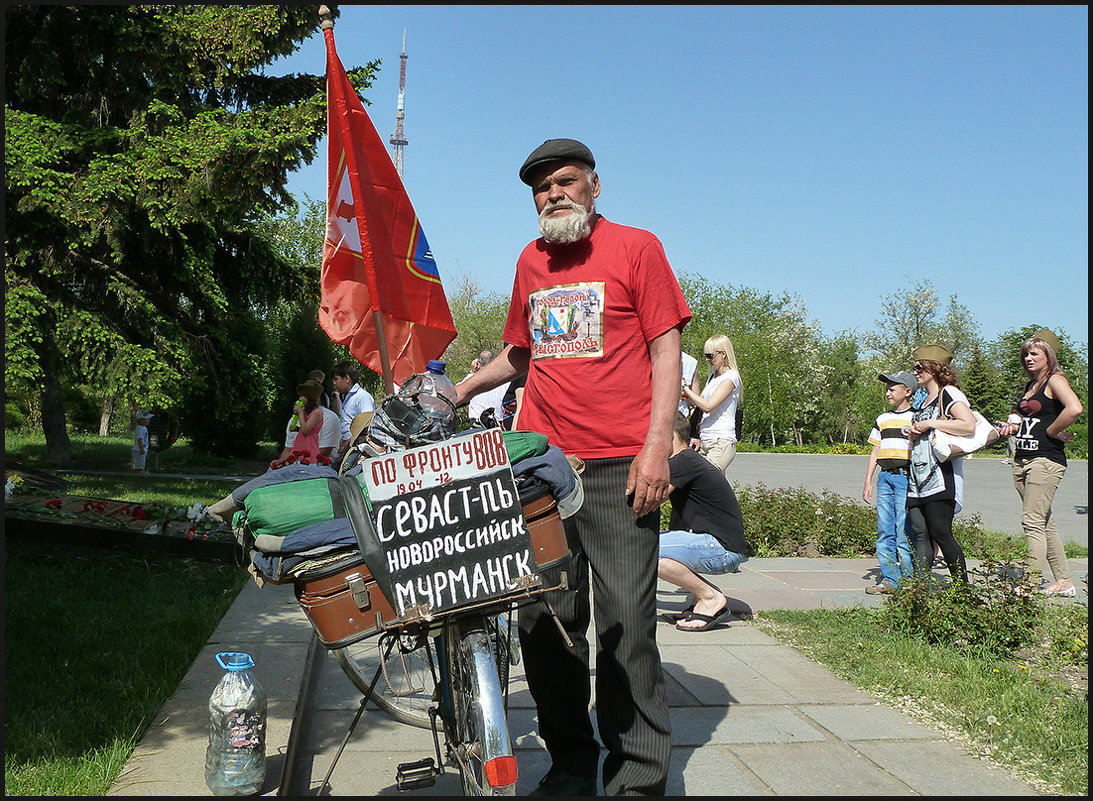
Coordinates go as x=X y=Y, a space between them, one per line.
x=719 y=401
x=489 y=400
x=141 y=440
x=355 y=399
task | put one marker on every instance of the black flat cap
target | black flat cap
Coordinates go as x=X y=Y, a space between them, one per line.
x=555 y=150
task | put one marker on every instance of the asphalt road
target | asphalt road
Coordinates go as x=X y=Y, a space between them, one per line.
x=988 y=487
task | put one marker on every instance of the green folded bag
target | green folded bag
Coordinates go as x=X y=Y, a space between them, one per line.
x=280 y=509
x=522 y=444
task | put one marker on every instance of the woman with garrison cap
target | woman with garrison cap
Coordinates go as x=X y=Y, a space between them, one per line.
x=935 y=491
x=1047 y=408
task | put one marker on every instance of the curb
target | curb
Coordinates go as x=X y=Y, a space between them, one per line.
x=301 y=718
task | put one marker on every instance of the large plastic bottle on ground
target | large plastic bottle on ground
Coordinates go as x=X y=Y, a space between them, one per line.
x=235 y=761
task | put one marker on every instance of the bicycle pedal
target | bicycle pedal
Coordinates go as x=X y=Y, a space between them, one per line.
x=412 y=775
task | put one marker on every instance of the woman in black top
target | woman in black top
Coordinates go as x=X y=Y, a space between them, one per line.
x=1047 y=407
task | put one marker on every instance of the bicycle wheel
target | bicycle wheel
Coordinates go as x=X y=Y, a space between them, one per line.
x=408 y=687
x=478 y=739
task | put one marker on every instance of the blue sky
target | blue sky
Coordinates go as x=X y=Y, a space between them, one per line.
x=835 y=153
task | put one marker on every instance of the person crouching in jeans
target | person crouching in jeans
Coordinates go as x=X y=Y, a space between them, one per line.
x=706 y=534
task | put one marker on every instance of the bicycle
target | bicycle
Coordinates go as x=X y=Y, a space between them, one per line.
x=445 y=670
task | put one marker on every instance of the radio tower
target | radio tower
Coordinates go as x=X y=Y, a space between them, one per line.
x=398 y=138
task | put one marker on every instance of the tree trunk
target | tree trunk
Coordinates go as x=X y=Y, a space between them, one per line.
x=58 y=445
x=770 y=395
x=107 y=413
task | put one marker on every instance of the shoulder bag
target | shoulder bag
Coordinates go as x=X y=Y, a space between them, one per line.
x=949 y=446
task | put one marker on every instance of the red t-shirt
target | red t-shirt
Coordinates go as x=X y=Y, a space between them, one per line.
x=587 y=313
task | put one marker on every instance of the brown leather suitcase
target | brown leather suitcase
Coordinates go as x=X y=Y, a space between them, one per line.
x=342 y=600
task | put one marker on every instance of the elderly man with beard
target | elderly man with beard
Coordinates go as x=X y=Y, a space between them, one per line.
x=595 y=322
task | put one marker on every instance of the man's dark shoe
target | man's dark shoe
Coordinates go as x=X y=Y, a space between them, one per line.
x=564 y=784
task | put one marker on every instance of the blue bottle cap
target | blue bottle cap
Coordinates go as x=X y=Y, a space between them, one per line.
x=436 y=366
x=235 y=661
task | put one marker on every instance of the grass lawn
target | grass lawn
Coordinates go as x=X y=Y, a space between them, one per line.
x=95 y=642
x=112 y=453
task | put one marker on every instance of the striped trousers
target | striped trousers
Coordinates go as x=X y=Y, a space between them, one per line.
x=619 y=552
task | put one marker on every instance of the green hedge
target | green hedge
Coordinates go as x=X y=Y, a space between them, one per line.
x=795 y=522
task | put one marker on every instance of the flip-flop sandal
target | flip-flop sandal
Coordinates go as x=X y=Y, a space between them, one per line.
x=708 y=621
x=682 y=613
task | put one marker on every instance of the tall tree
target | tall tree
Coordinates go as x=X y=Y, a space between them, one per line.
x=913 y=317
x=142 y=145
x=479 y=318
x=983 y=384
x=840 y=416
x=777 y=349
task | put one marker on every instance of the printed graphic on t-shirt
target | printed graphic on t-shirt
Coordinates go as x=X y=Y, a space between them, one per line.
x=566 y=321
x=1026 y=438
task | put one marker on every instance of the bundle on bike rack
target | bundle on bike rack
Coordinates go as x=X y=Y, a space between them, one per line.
x=345 y=603
x=320 y=533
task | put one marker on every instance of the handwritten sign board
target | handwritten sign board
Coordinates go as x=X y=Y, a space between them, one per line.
x=449 y=519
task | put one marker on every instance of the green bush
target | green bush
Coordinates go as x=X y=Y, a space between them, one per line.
x=1067 y=635
x=842 y=448
x=794 y=522
x=994 y=612
x=14 y=417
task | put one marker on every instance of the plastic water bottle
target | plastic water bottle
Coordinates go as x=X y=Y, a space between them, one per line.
x=431 y=384
x=235 y=761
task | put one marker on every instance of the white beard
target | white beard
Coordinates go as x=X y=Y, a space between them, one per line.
x=569 y=228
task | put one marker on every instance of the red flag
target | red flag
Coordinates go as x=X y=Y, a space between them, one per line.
x=375 y=257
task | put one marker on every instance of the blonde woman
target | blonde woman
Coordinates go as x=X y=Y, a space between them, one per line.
x=719 y=400
x=1046 y=409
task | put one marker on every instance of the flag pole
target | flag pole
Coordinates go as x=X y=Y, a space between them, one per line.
x=327 y=23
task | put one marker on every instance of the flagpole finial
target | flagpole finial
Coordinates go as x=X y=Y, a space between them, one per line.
x=326 y=17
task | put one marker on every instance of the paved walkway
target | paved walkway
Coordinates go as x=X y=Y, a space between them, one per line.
x=749 y=716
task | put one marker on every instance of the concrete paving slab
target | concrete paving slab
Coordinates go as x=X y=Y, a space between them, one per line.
x=741 y=724
x=749 y=715
x=875 y=721
x=951 y=771
x=807 y=769
x=693 y=771
x=747 y=602
x=804 y=681
x=374 y=774
x=733 y=630
x=716 y=678
x=811 y=580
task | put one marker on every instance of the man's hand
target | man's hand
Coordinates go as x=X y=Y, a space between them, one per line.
x=648 y=481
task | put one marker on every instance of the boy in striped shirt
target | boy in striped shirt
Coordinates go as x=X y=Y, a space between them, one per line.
x=892 y=454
